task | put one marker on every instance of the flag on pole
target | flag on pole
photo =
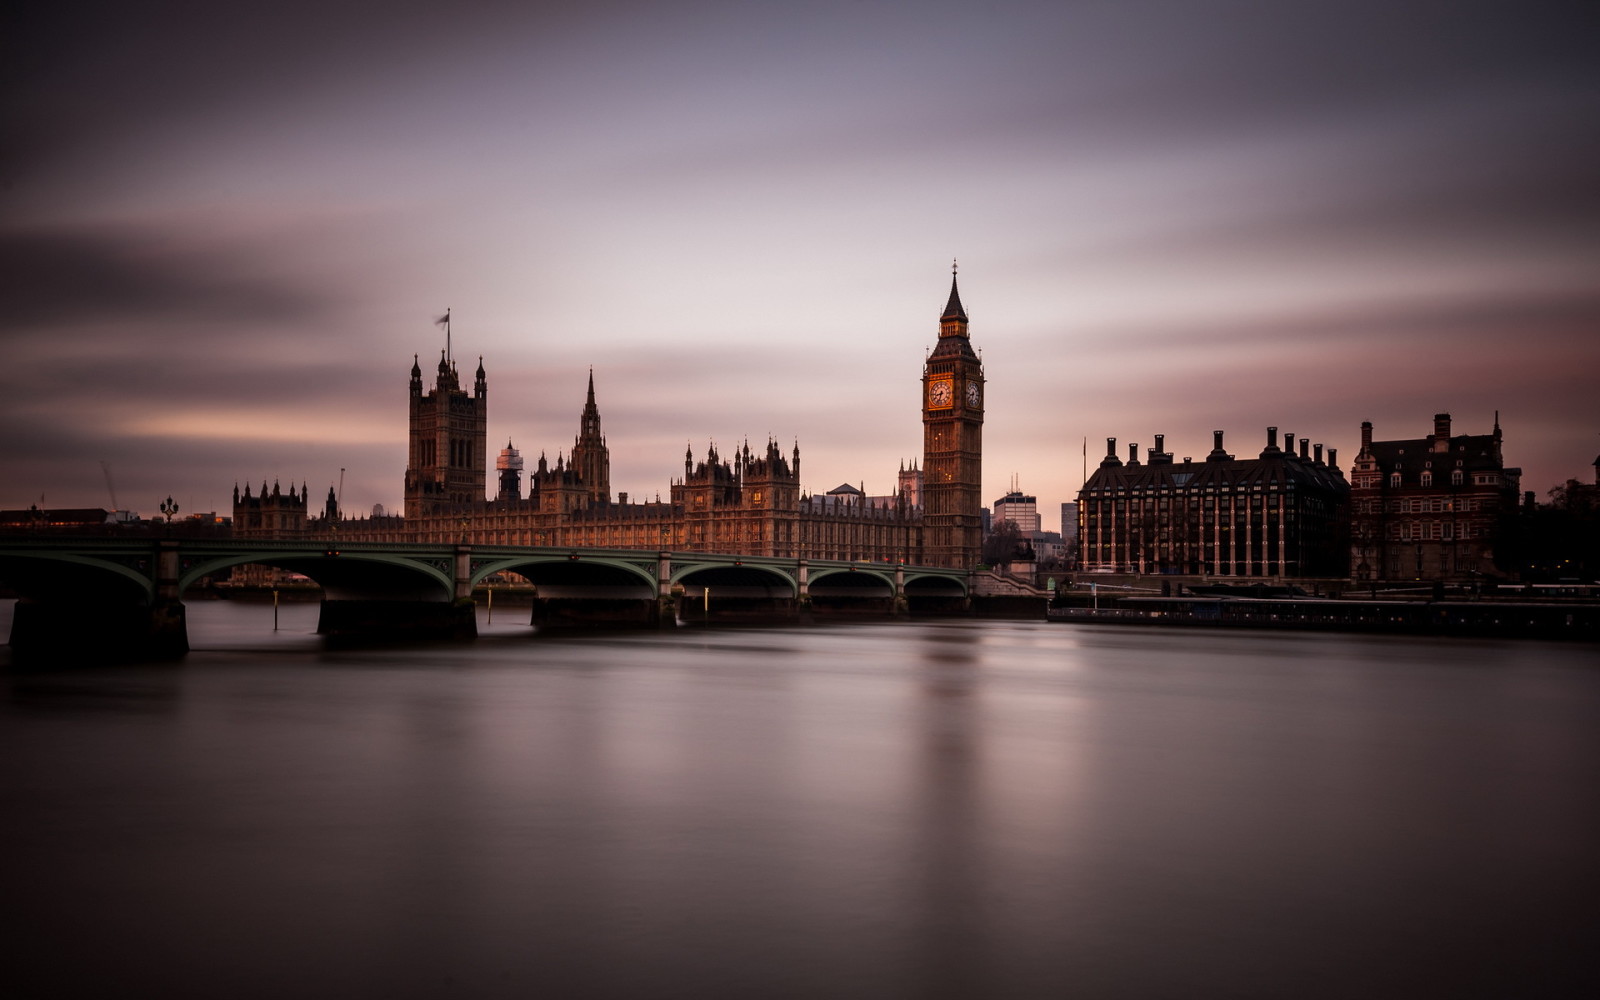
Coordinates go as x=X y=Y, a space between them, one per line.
x=443 y=320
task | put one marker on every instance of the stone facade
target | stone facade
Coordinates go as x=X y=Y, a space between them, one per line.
x=952 y=443
x=749 y=502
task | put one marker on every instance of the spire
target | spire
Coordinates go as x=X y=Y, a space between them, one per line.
x=953 y=327
x=591 y=385
x=952 y=309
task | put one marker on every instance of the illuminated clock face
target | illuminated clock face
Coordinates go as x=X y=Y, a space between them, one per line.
x=973 y=394
x=939 y=392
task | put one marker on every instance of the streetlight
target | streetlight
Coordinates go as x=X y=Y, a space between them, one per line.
x=169 y=508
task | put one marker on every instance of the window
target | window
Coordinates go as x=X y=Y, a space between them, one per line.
x=1427 y=479
x=1455 y=478
x=1394 y=481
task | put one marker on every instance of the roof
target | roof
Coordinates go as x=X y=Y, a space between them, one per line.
x=844 y=488
x=952 y=309
x=1281 y=469
x=1474 y=452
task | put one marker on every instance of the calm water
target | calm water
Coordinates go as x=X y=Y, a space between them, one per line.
x=955 y=809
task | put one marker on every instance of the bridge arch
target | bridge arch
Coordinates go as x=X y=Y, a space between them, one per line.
x=852 y=581
x=67 y=575
x=346 y=575
x=935 y=585
x=561 y=576
x=737 y=578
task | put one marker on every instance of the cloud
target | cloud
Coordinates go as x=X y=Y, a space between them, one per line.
x=141 y=277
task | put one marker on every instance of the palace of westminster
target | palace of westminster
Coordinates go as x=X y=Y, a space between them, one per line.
x=749 y=503
x=1418 y=508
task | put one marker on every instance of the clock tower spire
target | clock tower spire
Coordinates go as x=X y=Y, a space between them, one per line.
x=952 y=443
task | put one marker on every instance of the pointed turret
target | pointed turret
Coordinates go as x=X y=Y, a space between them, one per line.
x=953 y=329
x=591 y=459
x=953 y=309
x=953 y=323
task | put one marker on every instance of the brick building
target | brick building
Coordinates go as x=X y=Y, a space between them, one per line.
x=1277 y=515
x=1430 y=508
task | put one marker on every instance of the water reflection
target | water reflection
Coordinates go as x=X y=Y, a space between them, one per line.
x=884 y=809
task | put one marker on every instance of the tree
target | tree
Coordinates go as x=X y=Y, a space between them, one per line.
x=1006 y=544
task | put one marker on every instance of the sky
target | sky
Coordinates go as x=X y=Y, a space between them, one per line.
x=225 y=230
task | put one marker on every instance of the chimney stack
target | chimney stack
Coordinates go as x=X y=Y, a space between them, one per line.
x=1366 y=436
x=1133 y=453
x=1333 y=459
x=1272 y=439
x=1111 y=458
x=1159 y=454
x=1217 y=454
x=1316 y=451
x=1305 y=448
x=1441 y=432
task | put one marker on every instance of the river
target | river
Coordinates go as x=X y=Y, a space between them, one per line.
x=910 y=809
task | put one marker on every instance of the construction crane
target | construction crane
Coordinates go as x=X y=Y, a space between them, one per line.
x=110 y=487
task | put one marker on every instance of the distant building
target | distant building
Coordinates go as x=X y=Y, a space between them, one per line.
x=1279 y=514
x=1020 y=509
x=74 y=519
x=1430 y=508
x=276 y=515
x=1069 y=534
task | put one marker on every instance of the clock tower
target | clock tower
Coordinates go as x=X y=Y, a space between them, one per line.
x=952 y=444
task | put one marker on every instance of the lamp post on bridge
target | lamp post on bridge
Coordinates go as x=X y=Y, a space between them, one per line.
x=169 y=508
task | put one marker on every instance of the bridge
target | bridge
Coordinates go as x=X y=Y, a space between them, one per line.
x=124 y=597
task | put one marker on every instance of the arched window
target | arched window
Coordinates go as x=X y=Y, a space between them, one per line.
x=1394 y=480
x=1427 y=479
x=1455 y=478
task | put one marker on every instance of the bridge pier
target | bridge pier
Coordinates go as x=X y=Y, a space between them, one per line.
x=366 y=613
x=346 y=619
x=167 y=636
x=666 y=609
x=68 y=633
